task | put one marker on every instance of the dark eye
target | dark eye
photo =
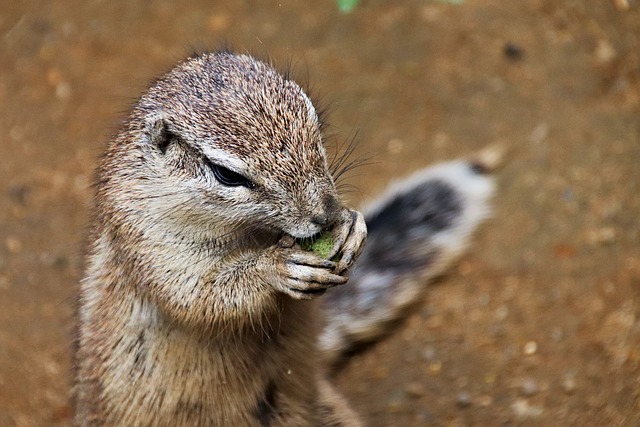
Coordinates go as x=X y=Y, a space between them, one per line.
x=229 y=178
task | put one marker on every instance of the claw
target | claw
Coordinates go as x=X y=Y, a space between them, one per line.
x=310 y=259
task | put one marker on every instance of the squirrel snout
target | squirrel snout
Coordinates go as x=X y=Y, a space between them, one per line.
x=321 y=220
x=328 y=213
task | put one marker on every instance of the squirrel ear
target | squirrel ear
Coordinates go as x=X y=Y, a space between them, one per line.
x=158 y=134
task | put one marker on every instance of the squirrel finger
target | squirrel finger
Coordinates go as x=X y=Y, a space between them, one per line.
x=354 y=243
x=343 y=231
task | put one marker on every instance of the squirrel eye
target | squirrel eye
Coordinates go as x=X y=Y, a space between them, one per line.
x=228 y=177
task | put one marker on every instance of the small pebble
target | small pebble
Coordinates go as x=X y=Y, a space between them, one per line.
x=605 y=53
x=13 y=245
x=513 y=52
x=569 y=383
x=429 y=353
x=602 y=236
x=484 y=401
x=530 y=348
x=414 y=389
x=502 y=313
x=463 y=400
x=522 y=409
x=539 y=133
x=529 y=387
x=622 y=5
x=435 y=367
x=63 y=90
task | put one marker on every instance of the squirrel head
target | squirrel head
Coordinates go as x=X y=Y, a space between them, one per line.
x=224 y=141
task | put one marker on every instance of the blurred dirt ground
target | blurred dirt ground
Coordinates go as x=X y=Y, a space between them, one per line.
x=538 y=326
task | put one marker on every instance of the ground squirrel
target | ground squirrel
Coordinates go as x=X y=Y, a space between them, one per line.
x=198 y=307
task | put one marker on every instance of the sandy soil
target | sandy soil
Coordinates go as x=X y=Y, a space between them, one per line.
x=538 y=326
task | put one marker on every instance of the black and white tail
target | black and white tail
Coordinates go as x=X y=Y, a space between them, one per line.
x=415 y=231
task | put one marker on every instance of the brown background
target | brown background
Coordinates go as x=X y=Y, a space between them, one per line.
x=539 y=325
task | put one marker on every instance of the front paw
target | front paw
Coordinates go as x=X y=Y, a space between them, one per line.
x=350 y=235
x=304 y=275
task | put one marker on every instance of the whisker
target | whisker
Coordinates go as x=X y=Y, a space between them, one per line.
x=342 y=154
x=156 y=196
x=356 y=163
x=348 y=189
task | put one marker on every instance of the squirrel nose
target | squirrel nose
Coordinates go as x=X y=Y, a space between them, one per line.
x=328 y=214
x=321 y=220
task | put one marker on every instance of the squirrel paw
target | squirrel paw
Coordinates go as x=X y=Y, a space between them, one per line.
x=304 y=275
x=350 y=235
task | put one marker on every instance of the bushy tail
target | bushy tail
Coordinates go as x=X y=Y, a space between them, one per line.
x=415 y=231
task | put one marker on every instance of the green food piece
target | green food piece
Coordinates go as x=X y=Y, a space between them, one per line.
x=346 y=6
x=321 y=245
